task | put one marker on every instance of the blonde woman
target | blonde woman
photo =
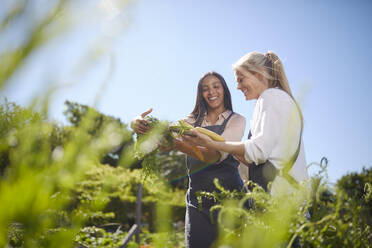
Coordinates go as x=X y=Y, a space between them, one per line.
x=274 y=150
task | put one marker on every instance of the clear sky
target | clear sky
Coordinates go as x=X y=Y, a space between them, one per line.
x=165 y=46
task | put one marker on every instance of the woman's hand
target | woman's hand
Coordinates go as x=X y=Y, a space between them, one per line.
x=242 y=160
x=165 y=146
x=139 y=124
x=198 y=139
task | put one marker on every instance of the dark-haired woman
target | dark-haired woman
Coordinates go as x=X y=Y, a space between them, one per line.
x=213 y=110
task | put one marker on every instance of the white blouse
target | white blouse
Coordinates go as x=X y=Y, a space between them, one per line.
x=276 y=130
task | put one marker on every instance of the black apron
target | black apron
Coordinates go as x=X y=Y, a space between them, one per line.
x=265 y=173
x=200 y=232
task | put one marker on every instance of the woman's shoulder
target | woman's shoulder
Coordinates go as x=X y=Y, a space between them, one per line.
x=275 y=92
x=238 y=117
x=276 y=96
x=278 y=101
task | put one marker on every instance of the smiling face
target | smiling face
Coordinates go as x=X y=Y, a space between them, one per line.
x=213 y=92
x=250 y=84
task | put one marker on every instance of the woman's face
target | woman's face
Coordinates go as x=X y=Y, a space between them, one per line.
x=249 y=84
x=213 y=92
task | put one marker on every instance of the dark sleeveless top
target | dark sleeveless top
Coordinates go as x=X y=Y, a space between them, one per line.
x=202 y=175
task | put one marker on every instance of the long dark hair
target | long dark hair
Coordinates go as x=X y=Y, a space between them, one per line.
x=201 y=105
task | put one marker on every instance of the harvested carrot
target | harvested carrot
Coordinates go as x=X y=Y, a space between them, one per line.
x=198 y=153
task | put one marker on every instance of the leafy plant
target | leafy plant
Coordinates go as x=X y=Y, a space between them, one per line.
x=148 y=146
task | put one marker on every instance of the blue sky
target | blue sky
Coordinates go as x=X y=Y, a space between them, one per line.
x=165 y=46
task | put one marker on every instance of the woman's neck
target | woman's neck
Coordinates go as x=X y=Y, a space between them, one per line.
x=212 y=115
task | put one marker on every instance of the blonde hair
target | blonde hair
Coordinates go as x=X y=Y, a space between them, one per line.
x=269 y=66
x=272 y=66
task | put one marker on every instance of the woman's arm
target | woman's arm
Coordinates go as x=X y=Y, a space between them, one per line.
x=242 y=160
x=235 y=148
x=233 y=133
x=209 y=156
x=201 y=153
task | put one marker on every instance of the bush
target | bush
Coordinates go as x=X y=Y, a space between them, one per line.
x=337 y=219
x=117 y=187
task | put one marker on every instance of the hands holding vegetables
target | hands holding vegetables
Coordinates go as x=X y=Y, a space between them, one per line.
x=180 y=135
x=198 y=138
x=154 y=136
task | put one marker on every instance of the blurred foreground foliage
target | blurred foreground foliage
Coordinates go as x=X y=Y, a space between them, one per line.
x=58 y=193
x=54 y=184
x=75 y=185
x=322 y=216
